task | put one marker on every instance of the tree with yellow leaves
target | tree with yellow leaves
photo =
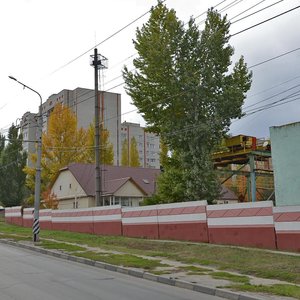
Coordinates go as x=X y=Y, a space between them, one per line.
x=134 y=154
x=106 y=148
x=124 y=154
x=62 y=145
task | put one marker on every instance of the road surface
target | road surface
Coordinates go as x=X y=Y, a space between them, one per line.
x=26 y=275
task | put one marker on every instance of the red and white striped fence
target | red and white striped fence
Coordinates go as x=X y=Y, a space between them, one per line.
x=246 y=224
x=183 y=221
x=76 y=220
x=287 y=226
x=140 y=221
x=13 y=215
x=107 y=220
x=45 y=216
x=243 y=224
x=28 y=217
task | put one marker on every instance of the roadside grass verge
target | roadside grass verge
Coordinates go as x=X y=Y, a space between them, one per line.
x=246 y=261
x=124 y=260
x=231 y=277
x=286 y=290
x=61 y=246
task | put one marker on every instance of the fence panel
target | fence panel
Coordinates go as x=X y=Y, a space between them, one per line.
x=107 y=220
x=28 y=217
x=140 y=222
x=13 y=215
x=287 y=227
x=76 y=220
x=183 y=221
x=243 y=224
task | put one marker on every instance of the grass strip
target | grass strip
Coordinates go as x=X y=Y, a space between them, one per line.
x=247 y=261
x=231 y=277
x=61 y=246
x=125 y=260
x=286 y=290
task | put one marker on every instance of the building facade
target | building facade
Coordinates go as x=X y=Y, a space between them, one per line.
x=148 y=145
x=285 y=142
x=82 y=103
x=28 y=127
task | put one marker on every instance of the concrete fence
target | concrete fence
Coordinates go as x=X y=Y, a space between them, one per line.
x=287 y=226
x=256 y=224
x=243 y=224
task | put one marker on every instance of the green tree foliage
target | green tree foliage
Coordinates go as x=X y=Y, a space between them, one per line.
x=134 y=153
x=106 y=148
x=187 y=90
x=124 y=153
x=12 y=161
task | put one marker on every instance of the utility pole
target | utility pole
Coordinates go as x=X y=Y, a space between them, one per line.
x=37 y=190
x=98 y=62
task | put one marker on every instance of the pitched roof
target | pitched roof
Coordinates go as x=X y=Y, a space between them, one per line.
x=113 y=177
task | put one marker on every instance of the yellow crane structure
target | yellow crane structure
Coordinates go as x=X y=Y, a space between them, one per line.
x=244 y=151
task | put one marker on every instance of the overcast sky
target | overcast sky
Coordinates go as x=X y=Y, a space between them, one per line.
x=40 y=38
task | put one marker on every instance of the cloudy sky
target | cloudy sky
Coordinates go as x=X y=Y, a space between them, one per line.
x=46 y=45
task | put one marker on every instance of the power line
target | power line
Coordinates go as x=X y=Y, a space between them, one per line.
x=273 y=96
x=247 y=10
x=267 y=20
x=255 y=12
x=273 y=87
x=275 y=102
x=278 y=56
x=103 y=41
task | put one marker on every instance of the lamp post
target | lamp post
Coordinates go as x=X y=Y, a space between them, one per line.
x=37 y=190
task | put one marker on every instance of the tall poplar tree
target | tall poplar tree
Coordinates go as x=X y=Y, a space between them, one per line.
x=106 y=148
x=12 y=161
x=124 y=153
x=187 y=90
x=134 y=154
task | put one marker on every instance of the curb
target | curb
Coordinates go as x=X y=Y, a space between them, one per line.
x=140 y=274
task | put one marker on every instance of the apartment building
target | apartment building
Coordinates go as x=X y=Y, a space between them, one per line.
x=28 y=126
x=148 y=144
x=82 y=102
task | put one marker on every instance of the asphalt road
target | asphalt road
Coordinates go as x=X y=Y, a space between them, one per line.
x=26 y=275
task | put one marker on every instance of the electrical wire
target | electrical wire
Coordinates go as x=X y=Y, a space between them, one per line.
x=265 y=21
x=103 y=41
x=270 y=59
x=255 y=12
x=239 y=14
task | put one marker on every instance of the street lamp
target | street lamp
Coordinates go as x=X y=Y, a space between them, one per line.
x=37 y=190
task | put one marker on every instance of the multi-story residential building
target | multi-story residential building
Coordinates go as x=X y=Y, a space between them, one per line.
x=82 y=102
x=28 y=125
x=147 y=144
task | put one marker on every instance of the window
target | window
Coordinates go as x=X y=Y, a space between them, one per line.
x=70 y=185
x=125 y=201
x=60 y=187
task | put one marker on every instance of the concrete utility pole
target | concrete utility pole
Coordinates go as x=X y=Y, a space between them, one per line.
x=98 y=62
x=37 y=190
